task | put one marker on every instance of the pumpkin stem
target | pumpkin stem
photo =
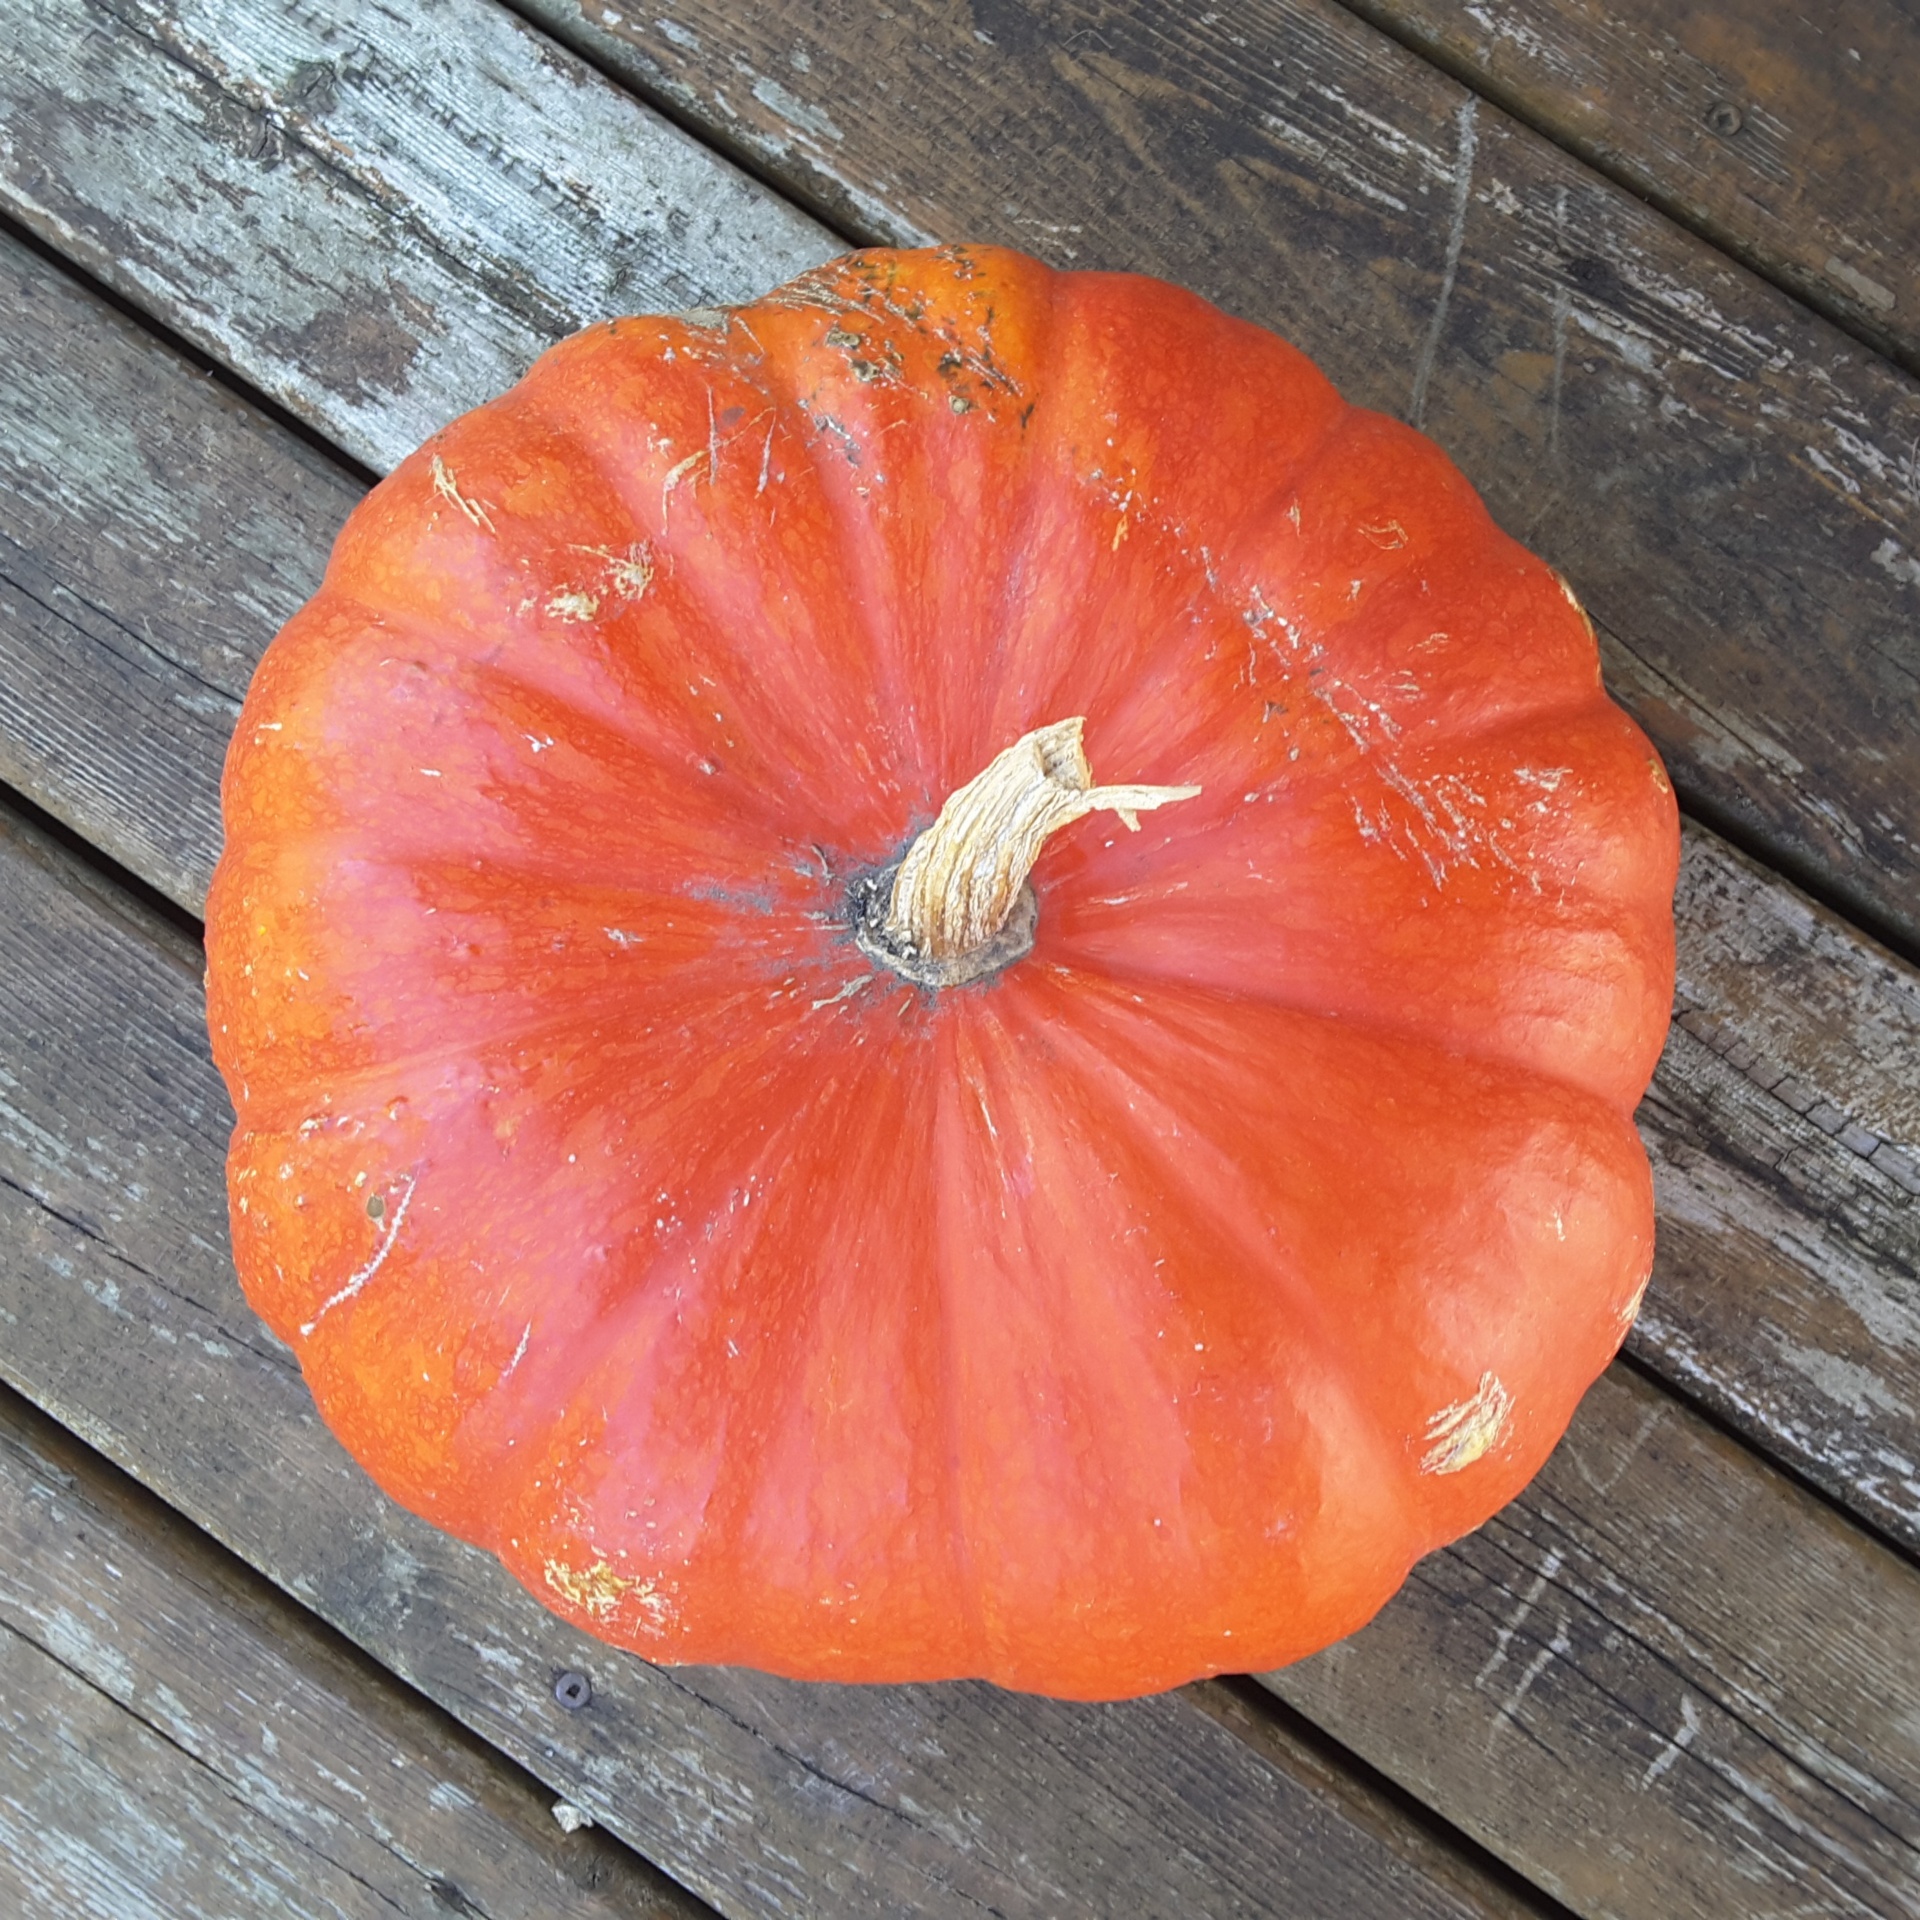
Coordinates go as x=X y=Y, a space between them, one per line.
x=964 y=880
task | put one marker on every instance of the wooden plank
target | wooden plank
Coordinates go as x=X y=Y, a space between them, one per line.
x=1655 y=1599
x=123 y=1321
x=381 y=215
x=154 y=533
x=139 y=500
x=181 y=1739
x=1730 y=483
x=1785 y=137
x=1784 y=1127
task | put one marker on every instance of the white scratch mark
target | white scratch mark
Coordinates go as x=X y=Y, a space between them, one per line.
x=1538 y=1665
x=1389 y=536
x=1681 y=1741
x=1562 y=306
x=1504 y=1638
x=374 y=1265
x=519 y=1353
x=846 y=993
x=675 y=476
x=766 y=458
x=1456 y=233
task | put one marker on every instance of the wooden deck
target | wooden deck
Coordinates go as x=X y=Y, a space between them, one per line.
x=1650 y=272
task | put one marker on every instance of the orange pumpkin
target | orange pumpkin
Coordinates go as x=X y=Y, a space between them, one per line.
x=1087 y=1279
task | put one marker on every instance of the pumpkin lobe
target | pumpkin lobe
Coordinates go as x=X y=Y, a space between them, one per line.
x=958 y=907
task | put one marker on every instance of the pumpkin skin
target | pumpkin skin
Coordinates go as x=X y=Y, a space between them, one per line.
x=1141 y=1312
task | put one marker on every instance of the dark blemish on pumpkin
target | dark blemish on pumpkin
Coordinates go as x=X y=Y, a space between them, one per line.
x=572 y=1690
x=826 y=423
x=376 y=1206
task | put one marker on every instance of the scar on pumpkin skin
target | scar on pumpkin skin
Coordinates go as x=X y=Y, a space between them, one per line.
x=373 y=1266
x=675 y=475
x=1461 y=1433
x=1631 y=1311
x=598 y=1590
x=575 y=604
x=447 y=488
x=629 y=574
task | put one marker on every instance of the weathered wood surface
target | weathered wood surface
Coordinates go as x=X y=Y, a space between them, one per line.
x=1785 y=137
x=1730 y=482
x=180 y=1739
x=123 y=1320
x=1784 y=1127
x=1654 y=1594
x=1596 y=1679
x=154 y=532
x=379 y=215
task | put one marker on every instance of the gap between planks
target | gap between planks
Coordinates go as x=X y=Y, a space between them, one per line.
x=183 y=1739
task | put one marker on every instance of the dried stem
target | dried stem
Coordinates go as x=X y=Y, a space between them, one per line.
x=961 y=878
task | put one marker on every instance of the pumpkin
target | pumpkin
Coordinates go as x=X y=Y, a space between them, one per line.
x=736 y=1121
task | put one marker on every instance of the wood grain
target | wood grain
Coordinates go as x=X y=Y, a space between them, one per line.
x=1731 y=483
x=1679 y=1686
x=1784 y=1128
x=181 y=1739
x=124 y=1322
x=1550 y=1865
x=154 y=532
x=1785 y=137
x=380 y=215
